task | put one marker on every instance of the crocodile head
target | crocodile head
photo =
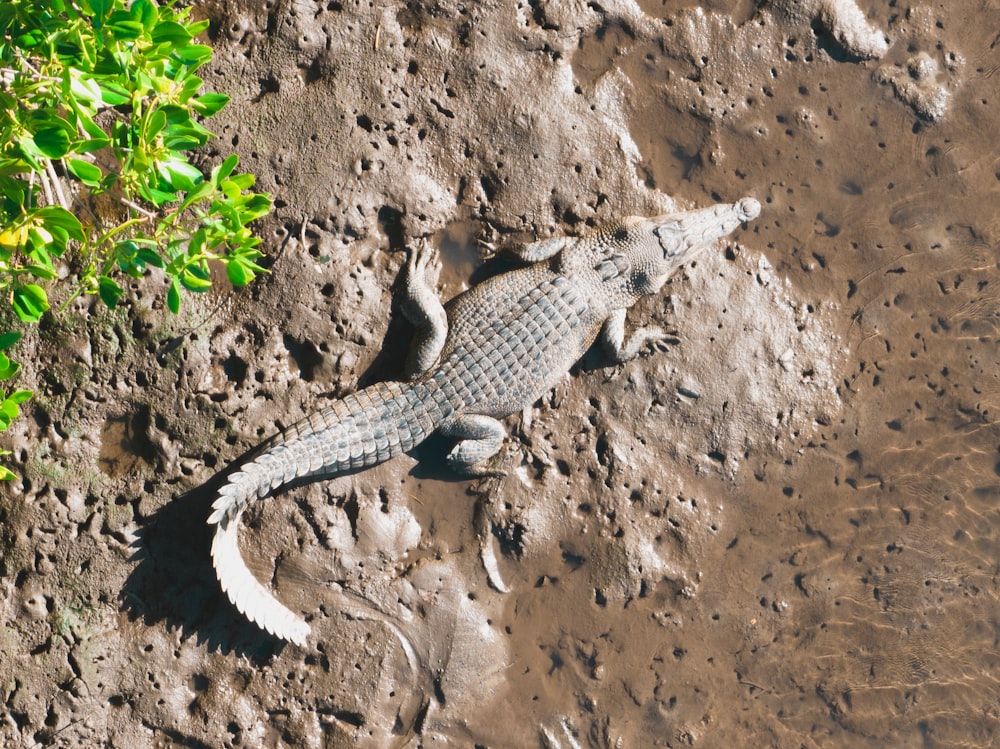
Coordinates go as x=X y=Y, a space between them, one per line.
x=682 y=235
x=658 y=245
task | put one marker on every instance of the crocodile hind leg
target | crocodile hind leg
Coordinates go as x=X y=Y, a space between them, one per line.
x=480 y=438
x=422 y=307
x=543 y=249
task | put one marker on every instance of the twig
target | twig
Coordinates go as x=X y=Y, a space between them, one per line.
x=149 y=215
x=27 y=63
x=56 y=184
x=9 y=75
x=31 y=188
x=744 y=682
x=44 y=178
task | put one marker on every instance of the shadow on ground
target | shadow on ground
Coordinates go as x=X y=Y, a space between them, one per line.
x=173 y=581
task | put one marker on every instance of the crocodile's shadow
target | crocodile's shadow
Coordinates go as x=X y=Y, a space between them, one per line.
x=173 y=580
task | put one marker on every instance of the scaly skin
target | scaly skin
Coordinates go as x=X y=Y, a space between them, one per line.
x=492 y=352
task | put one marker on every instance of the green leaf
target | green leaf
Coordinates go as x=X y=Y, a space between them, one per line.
x=85 y=89
x=13 y=189
x=60 y=238
x=176 y=114
x=8 y=412
x=181 y=141
x=140 y=157
x=100 y=7
x=89 y=174
x=259 y=204
x=170 y=32
x=41 y=241
x=8 y=368
x=57 y=216
x=194 y=278
x=194 y=54
x=223 y=170
x=133 y=258
x=241 y=272
x=197 y=27
x=225 y=209
x=19 y=396
x=197 y=194
x=179 y=174
x=149 y=256
x=187 y=126
x=53 y=141
x=86 y=122
x=114 y=94
x=156 y=196
x=40 y=271
x=125 y=29
x=144 y=12
x=91 y=145
x=174 y=296
x=9 y=407
x=189 y=89
x=29 y=39
x=30 y=302
x=155 y=123
x=28 y=152
x=70 y=53
x=208 y=104
x=109 y=291
x=237 y=184
x=196 y=243
x=9 y=339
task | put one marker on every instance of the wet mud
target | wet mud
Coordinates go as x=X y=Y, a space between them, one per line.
x=779 y=531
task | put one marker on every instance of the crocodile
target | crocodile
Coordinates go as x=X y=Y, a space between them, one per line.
x=493 y=351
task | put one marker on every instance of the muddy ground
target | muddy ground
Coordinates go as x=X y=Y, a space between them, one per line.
x=781 y=531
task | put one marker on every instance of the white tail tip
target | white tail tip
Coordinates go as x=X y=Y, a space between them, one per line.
x=251 y=598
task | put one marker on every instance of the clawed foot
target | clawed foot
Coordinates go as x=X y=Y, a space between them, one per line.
x=422 y=262
x=653 y=335
x=613 y=338
x=460 y=463
x=422 y=307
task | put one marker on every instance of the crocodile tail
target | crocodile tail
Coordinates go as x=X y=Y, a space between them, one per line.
x=361 y=430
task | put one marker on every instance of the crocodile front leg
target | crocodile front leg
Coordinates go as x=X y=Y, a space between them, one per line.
x=613 y=337
x=421 y=305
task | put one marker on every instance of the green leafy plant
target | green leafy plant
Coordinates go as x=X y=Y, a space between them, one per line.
x=9 y=403
x=99 y=105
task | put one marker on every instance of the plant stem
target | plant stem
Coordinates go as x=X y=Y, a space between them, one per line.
x=57 y=186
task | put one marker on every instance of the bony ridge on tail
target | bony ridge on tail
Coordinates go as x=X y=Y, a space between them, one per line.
x=493 y=351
